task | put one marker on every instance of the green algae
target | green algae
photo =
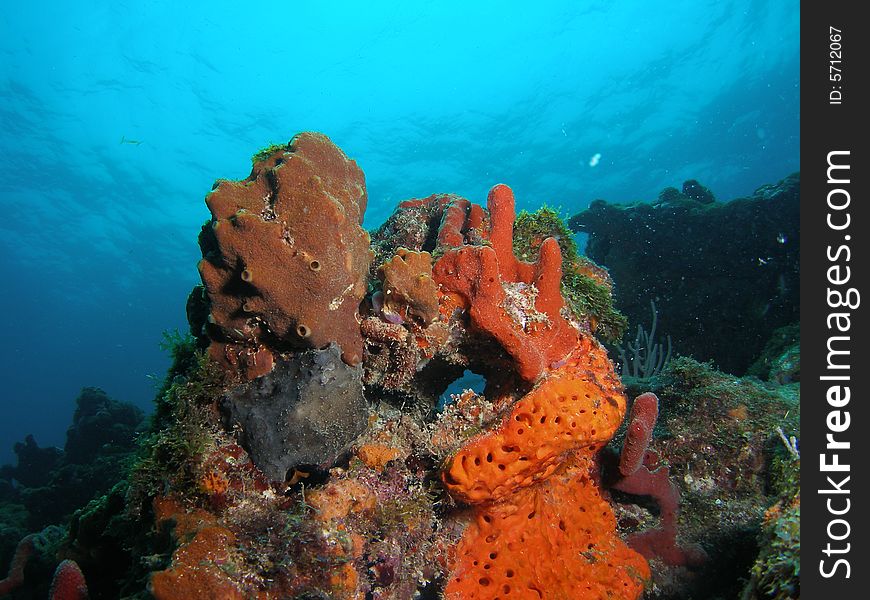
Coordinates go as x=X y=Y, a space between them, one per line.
x=783 y=343
x=531 y=229
x=182 y=424
x=776 y=572
x=268 y=151
x=585 y=296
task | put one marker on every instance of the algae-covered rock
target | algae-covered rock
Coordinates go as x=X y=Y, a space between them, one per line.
x=776 y=572
x=719 y=436
x=101 y=426
x=305 y=412
x=35 y=464
x=52 y=483
x=724 y=275
x=780 y=359
x=586 y=287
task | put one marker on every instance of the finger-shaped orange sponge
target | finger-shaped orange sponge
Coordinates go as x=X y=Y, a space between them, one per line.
x=479 y=274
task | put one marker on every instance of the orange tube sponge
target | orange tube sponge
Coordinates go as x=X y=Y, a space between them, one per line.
x=68 y=582
x=642 y=421
x=15 y=577
x=526 y=317
x=451 y=232
x=285 y=258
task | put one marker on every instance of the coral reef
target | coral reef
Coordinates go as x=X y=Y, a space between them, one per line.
x=353 y=485
x=101 y=538
x=305 y=446
x=100 y=426
x=697 y=192
x=284 y=258
x=554 y=402
x=52 y=483
x=369 y=528
x=48 y=485
x=692 y=193
x=724 y=275
x=717 y=438
x=34 y=465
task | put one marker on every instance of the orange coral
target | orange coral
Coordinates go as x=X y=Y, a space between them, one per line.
x=531 y=480
x=285 y=259
x=376 y=456
x=214 y=482
x=195 y=572
x=204 y=547
x=345 y=582
x=532 y=484
x=332 y=503
x=337 y=499
x=527 y=322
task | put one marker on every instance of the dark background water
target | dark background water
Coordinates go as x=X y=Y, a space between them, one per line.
x=98 y=236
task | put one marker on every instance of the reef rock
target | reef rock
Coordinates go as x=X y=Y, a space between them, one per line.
x=35 y=464
x=303 y=413
x=725 y=463
x=52 y=483
x=285 y=258
x=101 y=426
x=724 y=275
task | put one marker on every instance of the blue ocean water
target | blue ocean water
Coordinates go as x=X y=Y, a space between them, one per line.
x=116 y=118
